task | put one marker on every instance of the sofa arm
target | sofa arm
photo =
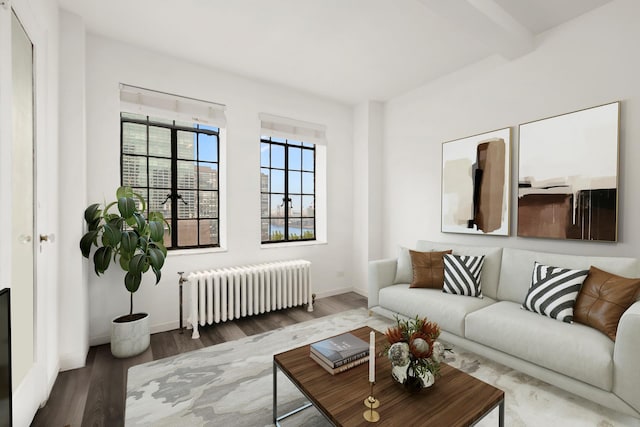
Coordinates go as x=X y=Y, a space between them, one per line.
x=626 y=375
x=382 y=273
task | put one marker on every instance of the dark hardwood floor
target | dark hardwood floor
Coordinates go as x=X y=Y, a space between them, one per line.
x=95 y=395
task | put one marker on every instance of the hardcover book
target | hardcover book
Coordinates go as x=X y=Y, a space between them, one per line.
x=341 y=368
x=340 y=350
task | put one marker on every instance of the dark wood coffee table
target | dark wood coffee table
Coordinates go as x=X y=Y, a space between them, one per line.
x=456 y=398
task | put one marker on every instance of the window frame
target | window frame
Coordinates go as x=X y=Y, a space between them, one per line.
x=175 y=196
x=286 y=143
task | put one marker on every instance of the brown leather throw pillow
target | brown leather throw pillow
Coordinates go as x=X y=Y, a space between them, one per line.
x=602 y=300
x=428 y=269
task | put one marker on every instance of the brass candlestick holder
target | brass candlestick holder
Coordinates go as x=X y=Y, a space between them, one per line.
x=372 y=403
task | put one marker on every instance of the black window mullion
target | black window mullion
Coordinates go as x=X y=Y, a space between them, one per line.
x=197 y=201
x=286 y=200
x=174 y=188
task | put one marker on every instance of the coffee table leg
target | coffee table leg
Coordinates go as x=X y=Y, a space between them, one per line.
x=276 y=418
x=275 y=394
x=501 y=414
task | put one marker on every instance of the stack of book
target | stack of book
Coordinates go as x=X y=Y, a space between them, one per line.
x=339 y=353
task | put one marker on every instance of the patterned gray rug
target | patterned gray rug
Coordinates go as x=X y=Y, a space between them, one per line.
x=230 y=384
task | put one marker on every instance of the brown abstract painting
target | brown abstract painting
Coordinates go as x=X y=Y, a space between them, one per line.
x=568 y=175
x=475 y=184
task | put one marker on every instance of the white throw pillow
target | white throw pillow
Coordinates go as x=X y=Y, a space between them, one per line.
x=404 y=270
x=553 y=291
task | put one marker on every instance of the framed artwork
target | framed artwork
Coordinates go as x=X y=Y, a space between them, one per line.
x=568 y=175
x=476 y=184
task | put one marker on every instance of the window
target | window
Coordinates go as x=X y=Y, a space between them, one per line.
x=175 y=166
x=287 y=190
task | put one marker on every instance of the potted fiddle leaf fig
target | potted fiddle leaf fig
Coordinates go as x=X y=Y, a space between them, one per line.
x=124 y=237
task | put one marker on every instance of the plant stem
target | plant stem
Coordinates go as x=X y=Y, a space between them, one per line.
x=131 y=305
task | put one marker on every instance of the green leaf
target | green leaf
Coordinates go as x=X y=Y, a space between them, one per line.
x=140 y=221
x=160 y=246
x=156 y=230
x=124 y=261
x=138 y=264
x=156 y=216
x=111 y=235
x=143 y=243
x=143 y=204
x=87 y=240
x=132 y=281
x=128 y=243
x=158 y=275
x=92 y=213
x=101 y=259
x=156 y=258
x=126 y=206
x=124 y=191
x=93 y=225
x=107 y=207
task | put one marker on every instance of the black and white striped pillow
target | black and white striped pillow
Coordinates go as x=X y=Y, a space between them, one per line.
x=553 y=291
x=462 y=275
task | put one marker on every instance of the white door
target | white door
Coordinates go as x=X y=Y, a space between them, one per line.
x=22 y=190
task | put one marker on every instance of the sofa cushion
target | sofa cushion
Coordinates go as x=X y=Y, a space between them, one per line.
x=603 y=298
x=428 y=269
x=553 y=291
x=404 y=271
x=490 y=269
x=447 y=310
x=571 y=349
x=514 y=285
x=462 y=275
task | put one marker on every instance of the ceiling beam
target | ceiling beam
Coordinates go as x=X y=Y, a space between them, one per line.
x=488 y=22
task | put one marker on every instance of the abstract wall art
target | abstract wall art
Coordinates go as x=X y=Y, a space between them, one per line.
x=476 y=184
x=568 y=175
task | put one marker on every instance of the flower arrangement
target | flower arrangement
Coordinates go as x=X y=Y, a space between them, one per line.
x=414 y=352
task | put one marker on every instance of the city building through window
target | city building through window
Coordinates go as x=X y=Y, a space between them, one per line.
x=287 y=190
x=175 y=166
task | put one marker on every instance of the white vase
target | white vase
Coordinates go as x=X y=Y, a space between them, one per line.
x=399 y=373
x=130 y=338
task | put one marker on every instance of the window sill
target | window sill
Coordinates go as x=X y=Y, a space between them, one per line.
x=196 y=251
x=291 y=244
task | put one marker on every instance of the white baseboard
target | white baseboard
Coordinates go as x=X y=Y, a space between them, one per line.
x=333 y=292
x=169 y=326
x=73 y=361
x=28 y=397
x=154 y=329
x=361 y=292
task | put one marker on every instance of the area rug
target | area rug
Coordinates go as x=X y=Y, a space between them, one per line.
x=230 y=384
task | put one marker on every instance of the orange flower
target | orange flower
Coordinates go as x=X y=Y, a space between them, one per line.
x=394 y=335
x=430 y=329
x=421 y=345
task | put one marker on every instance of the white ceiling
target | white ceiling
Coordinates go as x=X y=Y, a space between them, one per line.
x=345 y=50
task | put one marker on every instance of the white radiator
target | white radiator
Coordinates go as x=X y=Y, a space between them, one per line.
x=230 y=293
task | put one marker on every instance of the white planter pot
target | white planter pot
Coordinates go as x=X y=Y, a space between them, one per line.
x=130 y=338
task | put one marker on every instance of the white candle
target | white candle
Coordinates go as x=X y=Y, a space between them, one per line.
x=372 y=357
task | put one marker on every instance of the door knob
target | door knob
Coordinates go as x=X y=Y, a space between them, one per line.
x=24 y=238
x=46 y=238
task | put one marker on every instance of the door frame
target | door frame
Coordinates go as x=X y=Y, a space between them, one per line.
x=34 y=389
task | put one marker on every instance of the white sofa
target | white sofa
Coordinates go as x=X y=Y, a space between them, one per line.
x=573 y=357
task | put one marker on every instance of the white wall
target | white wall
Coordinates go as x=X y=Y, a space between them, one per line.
x=367 y=194
x=109 y=63
x=587 y=62
x=73 y=335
